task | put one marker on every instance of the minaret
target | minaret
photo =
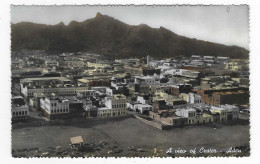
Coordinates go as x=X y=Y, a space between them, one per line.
x=148 y=58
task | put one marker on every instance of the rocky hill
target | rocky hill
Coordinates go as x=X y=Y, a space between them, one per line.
x=111 y=37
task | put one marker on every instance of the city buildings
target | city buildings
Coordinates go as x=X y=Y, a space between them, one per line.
x=174 y=91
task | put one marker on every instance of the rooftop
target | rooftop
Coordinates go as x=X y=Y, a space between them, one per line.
x=76 y=140
x=43 y=78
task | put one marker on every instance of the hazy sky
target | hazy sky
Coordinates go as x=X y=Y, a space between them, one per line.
x=222 y=24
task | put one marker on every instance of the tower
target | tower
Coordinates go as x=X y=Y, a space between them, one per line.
x=148 y=58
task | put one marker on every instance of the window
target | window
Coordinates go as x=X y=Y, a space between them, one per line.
x=19 y=113
x=13 y=113
x=22 y=112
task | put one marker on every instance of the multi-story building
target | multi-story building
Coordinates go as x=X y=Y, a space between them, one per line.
x=114 y=106
x=150 y=80
x=19 y=110
x=51 y=63
x=233 y=66
x=233 y=96
x=176 y=90
x=63 y=107
x=193 y=117
x=194 y=98
x=222 y=114
x=55 y=107
x=227 y=112
x=48 y=85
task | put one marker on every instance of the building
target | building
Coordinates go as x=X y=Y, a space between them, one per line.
x=193 y=117
x=150 y=80
x=227 y=112
x=170 y=99
x=168 y=117
x=160 y=105
x=76 y=142
x=51 y=63
x=133 y=70
x=48 y=85
x=144 y=99
x=114 y=106
x=220 y=114
x=91 y=111
x=194 y=98
x=233 y=96
x=19 y=110
x=148 y=60
x=140 y=108
x=142 y=88
x=176 y=90
x=54 y=107
x=233 y=66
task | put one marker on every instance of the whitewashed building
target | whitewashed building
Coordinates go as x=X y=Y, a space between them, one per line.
x=114 y=106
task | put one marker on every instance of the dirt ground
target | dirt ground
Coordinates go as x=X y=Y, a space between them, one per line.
x=132 y=132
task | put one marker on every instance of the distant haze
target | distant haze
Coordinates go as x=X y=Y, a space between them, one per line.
x=221 y=24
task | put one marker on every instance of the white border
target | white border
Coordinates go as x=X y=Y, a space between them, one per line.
x=5 y=135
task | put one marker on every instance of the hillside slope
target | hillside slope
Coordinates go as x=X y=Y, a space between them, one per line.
x=106 y=35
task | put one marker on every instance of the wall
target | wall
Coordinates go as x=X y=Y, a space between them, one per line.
x=156 y=125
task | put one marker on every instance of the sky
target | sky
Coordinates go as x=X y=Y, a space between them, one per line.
x=227 y=25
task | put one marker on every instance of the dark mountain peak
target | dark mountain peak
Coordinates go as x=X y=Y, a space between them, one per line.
x=74 y=23
x=163 y=29
x=101 y=16
x=98 y=15
x=143 y=25
x=60 y=24
x=105 y=35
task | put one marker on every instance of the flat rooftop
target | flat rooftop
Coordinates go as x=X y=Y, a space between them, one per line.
x=43 y=78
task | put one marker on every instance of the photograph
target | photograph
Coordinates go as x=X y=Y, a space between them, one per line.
x=129 y=81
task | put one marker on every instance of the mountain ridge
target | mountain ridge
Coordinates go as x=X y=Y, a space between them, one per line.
x=111 y=37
